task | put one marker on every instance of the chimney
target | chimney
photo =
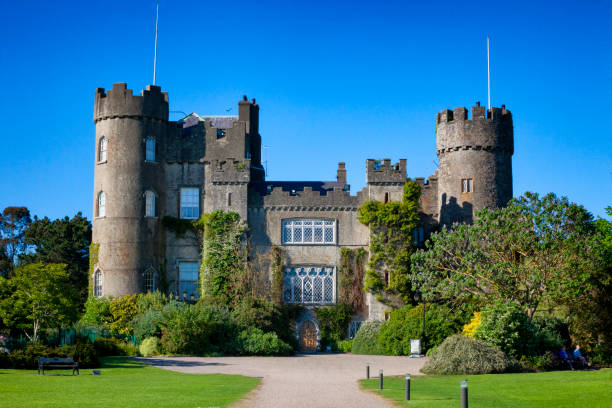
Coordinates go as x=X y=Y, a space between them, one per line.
x=341 y=173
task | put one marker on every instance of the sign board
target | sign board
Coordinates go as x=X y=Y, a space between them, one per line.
x=415 y=347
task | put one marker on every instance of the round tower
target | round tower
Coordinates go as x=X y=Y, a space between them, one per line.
x=129 y=191
x=475 y=161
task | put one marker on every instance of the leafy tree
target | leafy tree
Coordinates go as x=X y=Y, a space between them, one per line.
x=64 y=241
x=223 y=253
x=536 y=252
x=13 y=223
x=41 y=298
x=391 y=243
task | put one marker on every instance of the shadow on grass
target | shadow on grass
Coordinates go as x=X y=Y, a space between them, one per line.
x=165 y=362
x=120 y=362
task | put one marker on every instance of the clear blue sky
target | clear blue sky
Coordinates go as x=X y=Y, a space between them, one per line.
x=336 y=81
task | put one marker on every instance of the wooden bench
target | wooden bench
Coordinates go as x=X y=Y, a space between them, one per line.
x=57 y=363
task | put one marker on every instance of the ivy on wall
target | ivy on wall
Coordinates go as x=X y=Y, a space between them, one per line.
x=276 y=290
x=223 y=253
x=178 y=225
x=94 y=250
x=391 y=244
x=350 y=275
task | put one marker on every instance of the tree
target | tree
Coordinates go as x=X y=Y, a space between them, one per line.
x=13 y=223
x=64 y=241
x=391 y=243
x=536 y=252
x=41 y=298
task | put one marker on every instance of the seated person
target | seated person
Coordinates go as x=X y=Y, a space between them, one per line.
x=578 y=356
x=565 y=357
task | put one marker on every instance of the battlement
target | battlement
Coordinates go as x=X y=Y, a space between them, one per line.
x=230 y=171
x=308 y=200
x=478 y=113
x=119 y=102
x=383 y=172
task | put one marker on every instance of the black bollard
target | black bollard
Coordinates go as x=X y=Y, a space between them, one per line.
x=368 y=372
x=464 y=394
x=407 y=387
x=380 y=380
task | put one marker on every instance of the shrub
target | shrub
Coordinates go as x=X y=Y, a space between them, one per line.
x=333 y=324
x=470 y=329
x=461 y=355
x=123 y=310
x=97 y=312
x=84 y=354
x=200 y=329
x=109 y=346
x=149 y=347
x=27 y=358
x=551 y=334
x=151 y=301
x=254 y=341
x=147 y=324
x=407 y=323
x=345 y=346
x=366 y=339
x=506 y=326
x=129 y=349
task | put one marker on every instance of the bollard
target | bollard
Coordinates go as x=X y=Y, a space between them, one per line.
x=368 y=372
x=464 y=394
x=380 y=380
x=407 y=387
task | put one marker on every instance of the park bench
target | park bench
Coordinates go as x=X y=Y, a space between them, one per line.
x=57 y=363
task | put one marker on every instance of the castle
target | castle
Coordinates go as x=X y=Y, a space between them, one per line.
x=147 y=167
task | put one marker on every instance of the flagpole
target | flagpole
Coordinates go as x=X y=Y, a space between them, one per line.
x=488 y=76
x=155 y=55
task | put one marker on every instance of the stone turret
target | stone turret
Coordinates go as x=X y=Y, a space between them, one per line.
x=475 y=161
x=385 y=180
x=131 y=132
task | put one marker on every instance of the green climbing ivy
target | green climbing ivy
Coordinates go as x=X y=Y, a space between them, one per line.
x=276 y=290
x=223 y=253
x=350 y=275
x=178 y=225
x=94 y=250
x=391 y=244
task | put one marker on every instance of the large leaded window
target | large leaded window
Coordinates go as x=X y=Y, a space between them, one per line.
x=190 y=203
x=303 y=231
x=309 y=284
x=188 y=280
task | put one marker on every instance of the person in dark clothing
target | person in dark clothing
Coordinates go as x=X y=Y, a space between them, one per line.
x=565 y=358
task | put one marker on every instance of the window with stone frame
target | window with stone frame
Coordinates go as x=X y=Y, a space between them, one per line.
x=98 y=282
x=467 y=185
x=150 y=277
x=309 y=231
x=102 y=149
x=309 y=285
x=190 y=203
x=101 y=210
x=188 y=280
x=150 y=149
x=150 y=203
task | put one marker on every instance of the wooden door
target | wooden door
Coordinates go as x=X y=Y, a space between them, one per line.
x=308 y=337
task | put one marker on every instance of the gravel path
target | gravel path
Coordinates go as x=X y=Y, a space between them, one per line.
x=304 y=380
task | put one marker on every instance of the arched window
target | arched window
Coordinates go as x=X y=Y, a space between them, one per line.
x=101 y=204
x=102 y=149
x=149 y=280
x=149 y=204
x=150 y=149
x=98 y=281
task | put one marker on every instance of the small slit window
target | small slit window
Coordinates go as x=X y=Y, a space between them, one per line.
x=102 y=149
x=98 y=281
x=150 y=149
x=150 y=203
x=101 y=204
x=467 y=186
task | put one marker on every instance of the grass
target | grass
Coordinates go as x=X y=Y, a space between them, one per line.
x=557 y=389
x=122 y=383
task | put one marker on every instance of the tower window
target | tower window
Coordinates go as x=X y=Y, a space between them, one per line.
x=149 y=280
x=220 y=133
x=190 y=203
x=229 y=199
x=102 y=150
x=467 y=186
x=150 y=149
x=101 y=204
x=150 y=204
x=386 y=198
x=98 y=281
x=188 y=280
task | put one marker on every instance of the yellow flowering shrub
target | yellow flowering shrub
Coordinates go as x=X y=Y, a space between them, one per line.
x=470 y=328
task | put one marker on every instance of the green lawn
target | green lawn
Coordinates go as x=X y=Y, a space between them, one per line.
x=123 y=383
x=590 y=389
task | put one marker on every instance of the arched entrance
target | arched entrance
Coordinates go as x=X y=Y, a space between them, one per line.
x=308 y=336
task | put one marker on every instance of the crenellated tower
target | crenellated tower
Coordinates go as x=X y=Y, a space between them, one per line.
x=385 y=181
x=129 y=187
x=475 y=161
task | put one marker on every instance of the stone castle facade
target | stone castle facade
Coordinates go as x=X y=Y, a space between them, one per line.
x=147 y=167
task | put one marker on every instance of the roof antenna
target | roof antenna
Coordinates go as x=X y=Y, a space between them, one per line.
x=155 y=55
x=488 y=76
